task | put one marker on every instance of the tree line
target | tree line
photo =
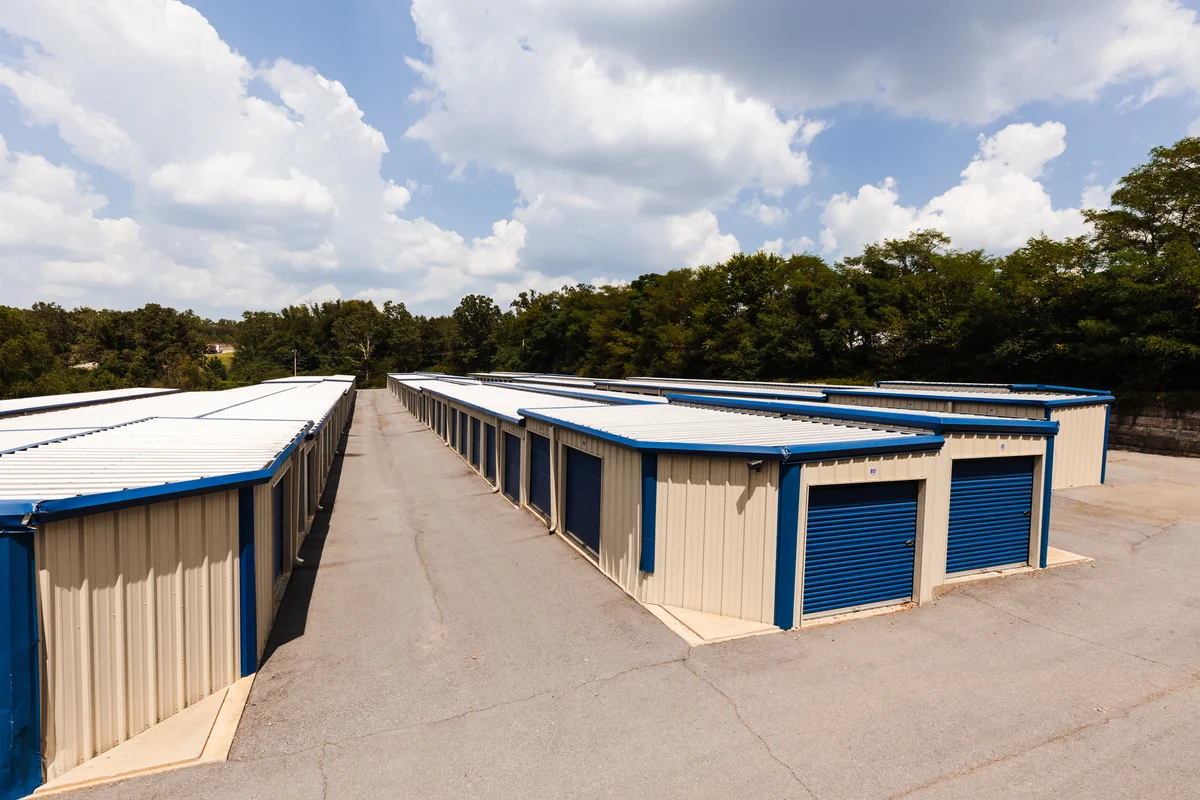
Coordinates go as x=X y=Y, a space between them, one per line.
x=1118 y=308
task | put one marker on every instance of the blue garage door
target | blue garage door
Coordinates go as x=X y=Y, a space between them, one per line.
x=454 y=427
x=489 y=465
x=991 y=502
x=462 y=434
x=20 y=738
x=512 y=467
x=859 y=545
x=277 y=506
x=583 y=498
x=474 y=442
x=539 y=473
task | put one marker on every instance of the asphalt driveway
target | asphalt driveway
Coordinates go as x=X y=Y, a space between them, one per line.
x=438 y=643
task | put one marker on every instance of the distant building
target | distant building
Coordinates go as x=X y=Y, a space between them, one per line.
x=218 y=349
x=85 y=365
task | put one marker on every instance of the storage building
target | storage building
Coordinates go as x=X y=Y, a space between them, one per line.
x=144 y=558
x=38 y=405
x=1081 y=447
x=659 y=388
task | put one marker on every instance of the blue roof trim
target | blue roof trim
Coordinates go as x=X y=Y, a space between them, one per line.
x=34 y=410
x=824 y=451
x=67 y=507
x=720 y=391
x=1082 y=400
x=1050 y=387
x=929 y=420
x=625 y=399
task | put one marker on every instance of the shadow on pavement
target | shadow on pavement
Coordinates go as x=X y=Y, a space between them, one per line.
x=292 y=617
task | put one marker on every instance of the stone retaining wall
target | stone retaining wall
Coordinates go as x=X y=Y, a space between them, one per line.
x=1156 y=430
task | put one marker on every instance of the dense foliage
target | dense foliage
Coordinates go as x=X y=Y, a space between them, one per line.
x=1117 y=309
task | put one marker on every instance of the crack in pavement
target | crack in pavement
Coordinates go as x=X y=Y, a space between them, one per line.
x=1058 y=737
x=738 y=712
x=1015 y=616
x=466 y=713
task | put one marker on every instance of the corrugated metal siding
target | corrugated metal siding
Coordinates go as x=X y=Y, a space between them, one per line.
x=914 y=403
x=1079 y=446
x=998 y=409
x=620 y=505
x=139 y=614
x=715 y=537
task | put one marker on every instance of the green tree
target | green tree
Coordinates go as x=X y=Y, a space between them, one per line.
x=473 y=343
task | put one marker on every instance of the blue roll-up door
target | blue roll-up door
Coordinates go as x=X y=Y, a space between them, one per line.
x=475 y=442
x=20 y=715
x=454 y=427
x=462 y=434
x=991 y=504
x=489 y=464
x=859 y=545
x=583 y=498
x=512 y=467
x=539 y=473
x=277 y=510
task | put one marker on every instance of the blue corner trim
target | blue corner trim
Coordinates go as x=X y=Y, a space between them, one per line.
x=927 y=420
x=247 y=580
x=649 y=510
x=1104 y=452
x=67 y=507
x=1081 y=400
x=823 y=451
x=1047 y=498
x=20 y=675
x=1051 y=387
x=787 y=545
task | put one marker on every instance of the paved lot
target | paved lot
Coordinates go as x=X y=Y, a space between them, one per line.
x=445 y=646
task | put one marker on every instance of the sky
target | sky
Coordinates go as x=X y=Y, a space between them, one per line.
x=250 y=154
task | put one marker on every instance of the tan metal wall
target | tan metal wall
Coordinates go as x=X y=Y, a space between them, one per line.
x=715 y=537
x=910 y=403
x=620 y=503
x=994 y=409
x=1079 y=446
x=139 y=616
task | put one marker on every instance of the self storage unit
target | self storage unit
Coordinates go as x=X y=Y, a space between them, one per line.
x=1000 y=473
x=659 y=388
x=144 y=560
x=1081 y=446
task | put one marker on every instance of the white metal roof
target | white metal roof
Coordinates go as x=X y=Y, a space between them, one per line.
x=718 y=387
x=962 y=395
x=558 y=380
x=584 y=393
x=776 y=386
x=500 y=401
x=313 y=379
x=686 y=425
x=304 y=401
x=36 y=405
x=150 y=453
x=13 y=440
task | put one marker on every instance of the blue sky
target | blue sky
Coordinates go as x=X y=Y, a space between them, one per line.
x=228 y=155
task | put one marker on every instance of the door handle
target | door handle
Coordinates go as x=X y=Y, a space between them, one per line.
x=910 y=543
x=1026 y=513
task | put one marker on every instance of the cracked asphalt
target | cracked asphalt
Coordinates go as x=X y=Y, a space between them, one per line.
x=439 y=644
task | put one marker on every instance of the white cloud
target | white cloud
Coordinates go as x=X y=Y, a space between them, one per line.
x=1194 y=128
x=238 y=201
x=765 y=214
x=999 y=204
x=779 y=248
x=614 y=163
x=954 y=60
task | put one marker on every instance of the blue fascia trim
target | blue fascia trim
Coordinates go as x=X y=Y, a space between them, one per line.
x=482 y=409
x=626 y=398
x=247 y=581
x=35 y=410
x=787 y=545
x=814 y=396
x=1047 y=498
x=1082 y=400
x=67 y=507
x=21 y=765
x=1050 y=387
x=1104 y=451
x=824 y=451
x=927 y=420
x=649 y=510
